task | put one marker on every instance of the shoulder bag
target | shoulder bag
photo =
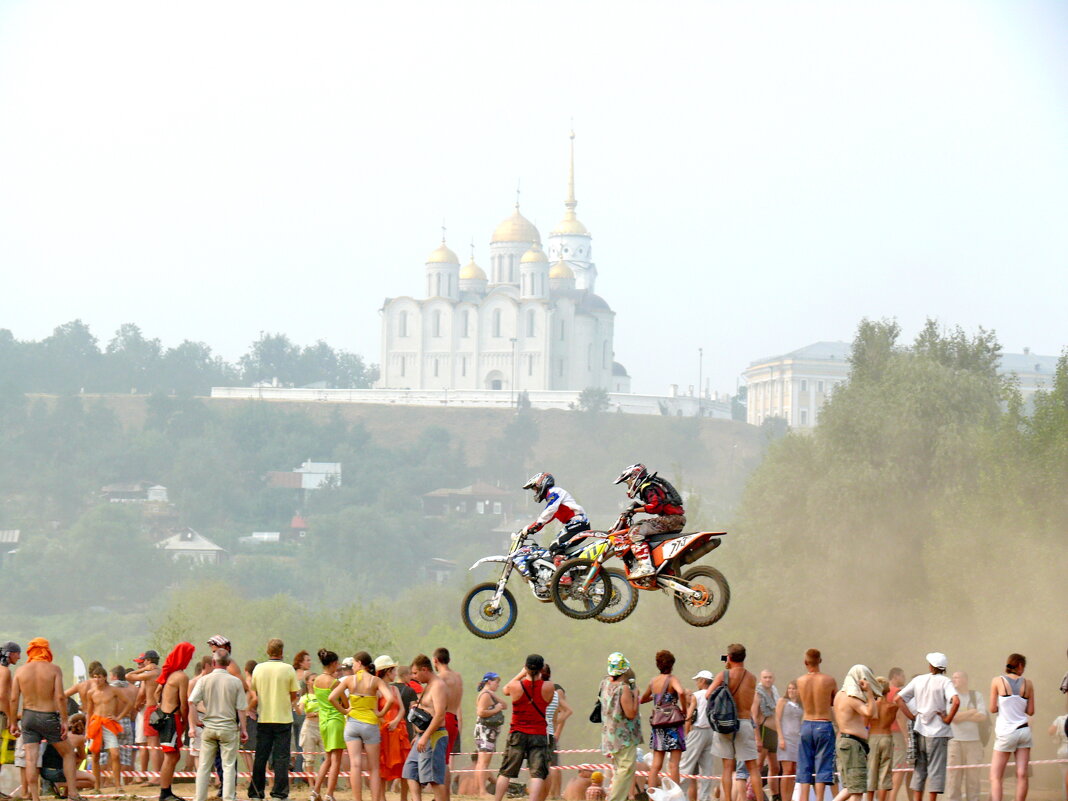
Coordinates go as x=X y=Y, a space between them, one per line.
x=666 y=715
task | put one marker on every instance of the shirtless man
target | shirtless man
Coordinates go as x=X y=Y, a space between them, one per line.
x=853 y=706
x=740 y=746
x=174 y=703
x=81 y=688
x=9 y=656
x=147 y=700
x=426 y=760
x=44 y=715
x=219 y=641
x=902 y=772
x=881 y=742
x=104 y=708
x=117 y=679
x=815 y=753
x=454 y=689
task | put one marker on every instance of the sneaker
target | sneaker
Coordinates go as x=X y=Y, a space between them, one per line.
x=170 y=796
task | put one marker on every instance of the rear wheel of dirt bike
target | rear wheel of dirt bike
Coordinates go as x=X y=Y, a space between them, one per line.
x=481 y=618
x=624 y=598
x=568 y=595
x=711 y=604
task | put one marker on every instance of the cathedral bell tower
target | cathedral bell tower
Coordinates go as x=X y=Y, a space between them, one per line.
x=570 y=241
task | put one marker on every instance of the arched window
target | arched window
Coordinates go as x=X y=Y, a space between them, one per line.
x=530 y=323
x=435 y=368
x=604 y=353
x=437 y=328
x=561 y=330
x=496 y=322
x=402 y=329
x=467 y=323
x=511 y=268
x=402 y=360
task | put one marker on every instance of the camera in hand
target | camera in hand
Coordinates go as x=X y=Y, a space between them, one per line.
x=723 y=658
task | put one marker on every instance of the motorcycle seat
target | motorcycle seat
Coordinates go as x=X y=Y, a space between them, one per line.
x=656 y=539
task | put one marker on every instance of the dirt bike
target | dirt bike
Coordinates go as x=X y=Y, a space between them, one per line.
x=489 y=610
x=701 y=593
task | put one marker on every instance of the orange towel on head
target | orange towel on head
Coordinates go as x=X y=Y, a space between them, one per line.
x=94 y=732
x=38 y=650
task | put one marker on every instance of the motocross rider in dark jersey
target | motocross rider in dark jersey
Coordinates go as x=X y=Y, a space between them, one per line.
x=655 y=496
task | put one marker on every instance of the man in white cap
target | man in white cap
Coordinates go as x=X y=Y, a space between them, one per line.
x=936 y=702
x=698 y=759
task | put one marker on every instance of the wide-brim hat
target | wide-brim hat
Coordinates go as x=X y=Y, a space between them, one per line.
x=384 y=662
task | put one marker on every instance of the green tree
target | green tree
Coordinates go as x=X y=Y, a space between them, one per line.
x=594 y=400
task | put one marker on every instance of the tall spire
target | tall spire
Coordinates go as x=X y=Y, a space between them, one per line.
x=571 y=203
x=570 y=224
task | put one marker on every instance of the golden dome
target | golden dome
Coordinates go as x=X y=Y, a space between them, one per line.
x=561 y=270
x=442 y=255
x=571 y=225
x=535 y=255
x=516 y=228
x=472 y=271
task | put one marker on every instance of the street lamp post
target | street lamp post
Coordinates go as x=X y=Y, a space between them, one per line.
x=514 y=341
x=700 y=375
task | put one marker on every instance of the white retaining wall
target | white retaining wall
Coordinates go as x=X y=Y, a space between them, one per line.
x=683 y=406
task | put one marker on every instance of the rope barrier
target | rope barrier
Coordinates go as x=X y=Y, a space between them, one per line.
x=583 y=766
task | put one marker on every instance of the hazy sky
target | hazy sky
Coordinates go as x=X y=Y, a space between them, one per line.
x=756 y=175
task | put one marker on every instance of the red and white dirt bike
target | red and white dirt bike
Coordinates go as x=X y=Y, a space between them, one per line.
x=701 y=593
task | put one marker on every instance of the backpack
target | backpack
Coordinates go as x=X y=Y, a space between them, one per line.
x=720 y=709
x=671 y=495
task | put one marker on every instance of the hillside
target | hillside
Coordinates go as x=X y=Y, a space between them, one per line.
x=214 y=456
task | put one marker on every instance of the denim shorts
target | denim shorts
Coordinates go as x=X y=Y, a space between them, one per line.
x=815 y=753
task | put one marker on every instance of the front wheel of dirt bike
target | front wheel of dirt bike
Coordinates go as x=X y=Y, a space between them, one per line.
x=574 y=595
x=711 y=604
x=481 y=618
x=624 y=598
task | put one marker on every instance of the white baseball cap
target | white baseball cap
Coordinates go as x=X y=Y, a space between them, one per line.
x=938 y=660
x=703 y=674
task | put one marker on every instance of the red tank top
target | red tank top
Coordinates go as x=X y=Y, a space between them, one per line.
x=528 y=712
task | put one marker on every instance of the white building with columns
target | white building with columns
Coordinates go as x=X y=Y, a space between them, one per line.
x=534 y=323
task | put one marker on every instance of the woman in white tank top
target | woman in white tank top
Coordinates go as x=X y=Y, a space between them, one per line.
x=1012 y=699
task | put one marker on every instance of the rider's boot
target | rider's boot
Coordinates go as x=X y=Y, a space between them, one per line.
x=644 y=566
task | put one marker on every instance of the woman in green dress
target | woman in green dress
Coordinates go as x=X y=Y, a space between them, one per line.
x=331 y=727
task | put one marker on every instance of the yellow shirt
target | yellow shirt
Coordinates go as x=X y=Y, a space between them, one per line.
x=272 y=682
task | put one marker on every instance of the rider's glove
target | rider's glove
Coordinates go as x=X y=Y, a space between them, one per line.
x=555 y=548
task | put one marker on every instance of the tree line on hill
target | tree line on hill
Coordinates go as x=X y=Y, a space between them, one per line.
x=71 y=360
x=929 y=488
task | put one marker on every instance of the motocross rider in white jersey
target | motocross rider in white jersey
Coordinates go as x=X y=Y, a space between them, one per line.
x=559 y=505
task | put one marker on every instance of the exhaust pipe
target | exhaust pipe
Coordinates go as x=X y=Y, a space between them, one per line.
x=692 y=556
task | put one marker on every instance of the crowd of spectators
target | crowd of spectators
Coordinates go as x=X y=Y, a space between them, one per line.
x=401 y=724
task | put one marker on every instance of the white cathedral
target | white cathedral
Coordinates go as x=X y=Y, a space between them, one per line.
x=535 y=324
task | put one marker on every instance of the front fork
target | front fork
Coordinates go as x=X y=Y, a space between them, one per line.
x=591 y=576
x=501 y=584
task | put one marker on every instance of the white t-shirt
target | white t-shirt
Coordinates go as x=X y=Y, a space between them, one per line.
x=701 y=718
x=968 y=729
x=932 y=694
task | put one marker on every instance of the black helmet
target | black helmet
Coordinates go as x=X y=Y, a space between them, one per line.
x=634 y=476
x=541 y=483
